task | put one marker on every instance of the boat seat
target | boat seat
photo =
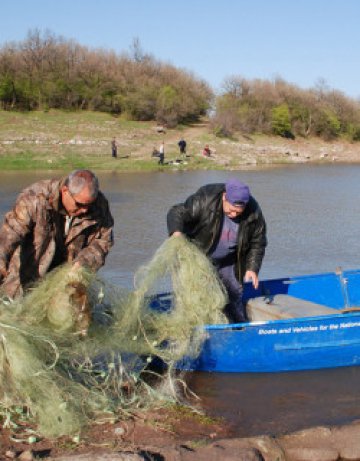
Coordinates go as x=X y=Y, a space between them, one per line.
x=283 y=306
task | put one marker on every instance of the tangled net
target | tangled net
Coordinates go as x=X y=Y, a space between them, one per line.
x=76 y=348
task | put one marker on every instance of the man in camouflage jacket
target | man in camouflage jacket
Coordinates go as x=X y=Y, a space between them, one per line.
x=54 y=221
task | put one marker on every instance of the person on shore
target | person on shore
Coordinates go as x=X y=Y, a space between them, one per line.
x=226 y=222
x=182 y=146
x=206 y=151
x=52 y=222
x=161 y=153
x=114 y=148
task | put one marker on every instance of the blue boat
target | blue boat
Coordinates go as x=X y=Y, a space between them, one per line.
x=297 y=323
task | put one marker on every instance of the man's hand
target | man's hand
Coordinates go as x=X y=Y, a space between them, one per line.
x=74 y=269
x=253 y=277
x=76 y=265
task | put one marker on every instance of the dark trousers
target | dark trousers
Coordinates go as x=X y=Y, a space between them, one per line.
x=235 y=310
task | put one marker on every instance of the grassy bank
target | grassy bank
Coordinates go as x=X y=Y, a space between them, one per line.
x=61 y=140
x=66 y=140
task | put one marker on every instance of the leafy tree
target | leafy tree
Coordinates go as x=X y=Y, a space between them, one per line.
x=281 y=124
x=328 y=126
x=168 y=103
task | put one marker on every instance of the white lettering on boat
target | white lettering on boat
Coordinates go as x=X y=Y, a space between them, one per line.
x=308 y=328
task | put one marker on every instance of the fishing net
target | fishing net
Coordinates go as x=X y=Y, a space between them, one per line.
x=76 y=348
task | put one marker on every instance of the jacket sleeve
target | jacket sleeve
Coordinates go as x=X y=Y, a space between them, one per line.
x=257 y=245
x=184 y=215
x=18 y=223
x=94 y=254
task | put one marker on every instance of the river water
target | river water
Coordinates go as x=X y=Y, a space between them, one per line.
x=313 y=218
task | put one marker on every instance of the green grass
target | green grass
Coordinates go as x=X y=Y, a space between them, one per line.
x=30 y=160
x=60 y=140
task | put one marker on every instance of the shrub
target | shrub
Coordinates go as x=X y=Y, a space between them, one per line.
x=280 y=122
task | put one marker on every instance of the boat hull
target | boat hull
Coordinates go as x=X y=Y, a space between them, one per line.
x=304 y=343
x=284 y=345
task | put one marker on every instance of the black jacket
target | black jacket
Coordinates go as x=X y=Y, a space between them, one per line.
x=200 y=218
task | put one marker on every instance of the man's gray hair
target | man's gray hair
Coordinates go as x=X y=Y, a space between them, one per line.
x=78 y=179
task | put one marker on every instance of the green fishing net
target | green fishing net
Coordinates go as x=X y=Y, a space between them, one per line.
x=76 y=348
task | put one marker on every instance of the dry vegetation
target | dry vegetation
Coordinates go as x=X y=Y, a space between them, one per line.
x=45 y=72
x=63 y=102
x=277 y=107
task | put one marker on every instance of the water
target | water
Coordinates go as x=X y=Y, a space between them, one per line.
x=277 y=403
x=313 y=218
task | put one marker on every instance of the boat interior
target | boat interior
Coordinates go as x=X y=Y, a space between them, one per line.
x=315 y=295
x=283 y=306
x=302 y=296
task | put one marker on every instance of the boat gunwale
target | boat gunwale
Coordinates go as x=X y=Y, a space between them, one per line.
x=316 y=318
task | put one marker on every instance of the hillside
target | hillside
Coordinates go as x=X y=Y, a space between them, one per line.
x=65 y=140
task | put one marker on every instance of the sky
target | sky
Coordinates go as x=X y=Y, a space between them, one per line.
x=304 y=42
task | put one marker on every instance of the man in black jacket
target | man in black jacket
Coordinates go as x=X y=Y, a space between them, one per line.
x=182 y=146
x=226 y=222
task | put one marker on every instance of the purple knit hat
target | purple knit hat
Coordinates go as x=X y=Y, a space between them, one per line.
x=237 y=192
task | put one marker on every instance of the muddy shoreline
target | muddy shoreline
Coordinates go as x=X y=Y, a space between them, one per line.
x=189 y=441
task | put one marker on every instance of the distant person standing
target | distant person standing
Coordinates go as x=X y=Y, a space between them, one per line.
x=182 y=146
x=161 y=153
x=114 y=148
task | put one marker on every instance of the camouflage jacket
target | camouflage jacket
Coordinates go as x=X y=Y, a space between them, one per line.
x=32 y=238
